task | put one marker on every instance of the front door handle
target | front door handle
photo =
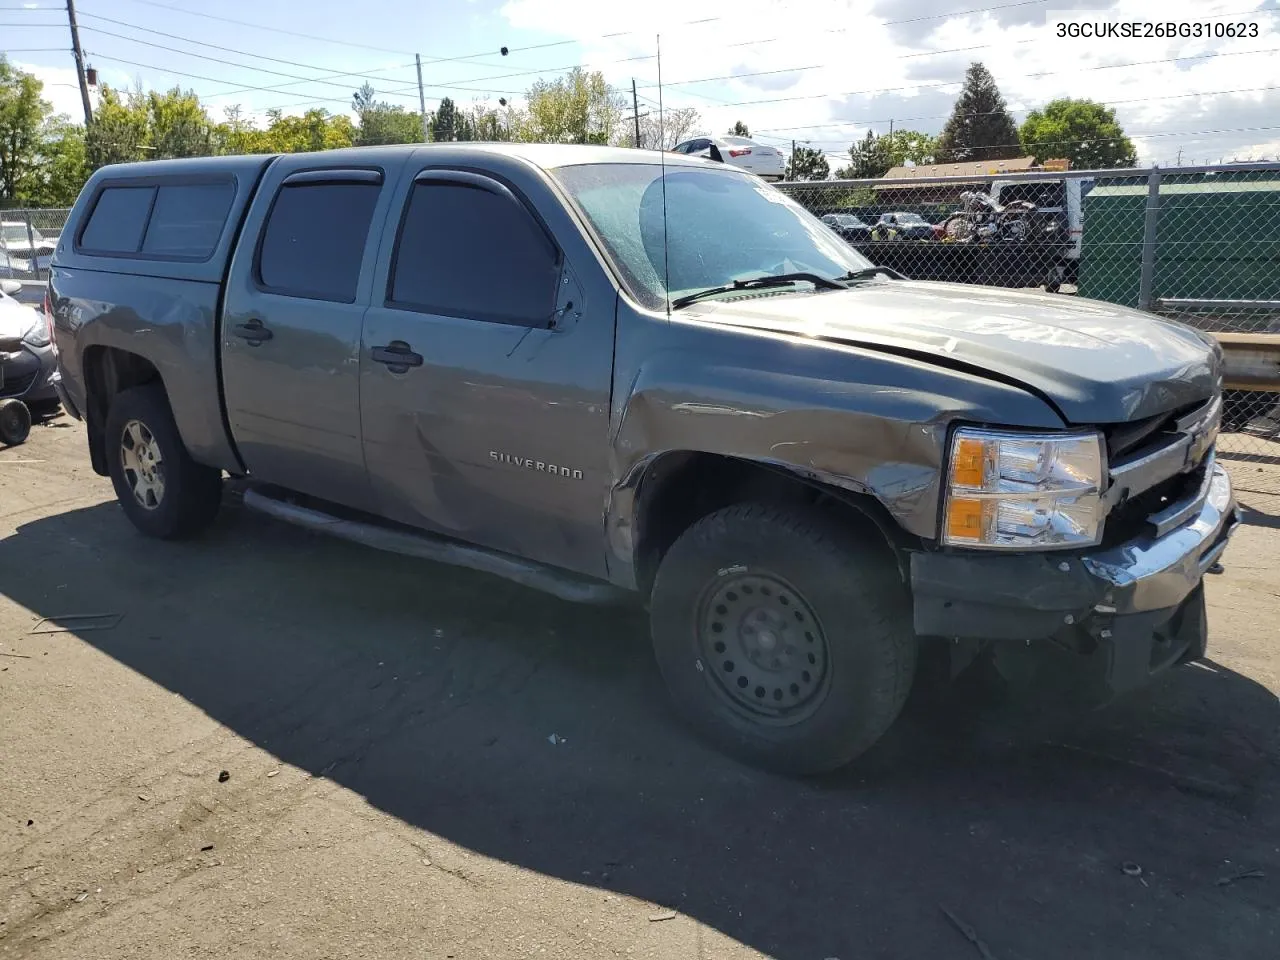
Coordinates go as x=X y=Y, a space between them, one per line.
x=397 y=355
x=253 y=331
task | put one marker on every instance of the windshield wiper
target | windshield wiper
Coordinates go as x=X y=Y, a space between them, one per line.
x=778 y=280
x=868 y=272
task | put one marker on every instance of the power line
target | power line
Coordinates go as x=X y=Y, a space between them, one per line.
x=953 y=83
x=259 y=26
x=986 y=113
x=560 y=43
x=199 y=43
x=197 y=76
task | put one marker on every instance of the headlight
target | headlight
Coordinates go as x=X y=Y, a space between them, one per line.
x=38 y=333
x=1021 y=491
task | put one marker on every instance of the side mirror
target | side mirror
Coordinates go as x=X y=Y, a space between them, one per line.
x=10 y=288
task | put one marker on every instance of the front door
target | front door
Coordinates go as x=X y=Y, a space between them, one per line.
x=485 y=376
x=291 y=328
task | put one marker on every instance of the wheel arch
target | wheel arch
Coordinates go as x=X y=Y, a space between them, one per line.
x=677 y=488
x=108 y=371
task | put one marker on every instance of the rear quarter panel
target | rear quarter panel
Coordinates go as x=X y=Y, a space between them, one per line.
x=164 y=310
x=171 y=323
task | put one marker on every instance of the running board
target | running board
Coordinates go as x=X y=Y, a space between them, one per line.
x=558 y=583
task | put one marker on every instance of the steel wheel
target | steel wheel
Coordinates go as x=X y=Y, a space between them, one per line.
x=764 y=647
x=143 y=464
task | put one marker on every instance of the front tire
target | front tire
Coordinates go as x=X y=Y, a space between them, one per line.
x=164 y=493
x=15 y=422
x=782 y=637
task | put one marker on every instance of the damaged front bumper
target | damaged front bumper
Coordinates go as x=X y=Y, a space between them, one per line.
x=1111 y=618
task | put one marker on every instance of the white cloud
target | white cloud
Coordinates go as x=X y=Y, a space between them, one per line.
x=859 y=69
x=63 y=92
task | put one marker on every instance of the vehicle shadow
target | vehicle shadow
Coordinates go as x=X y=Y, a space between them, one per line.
x=433 y=693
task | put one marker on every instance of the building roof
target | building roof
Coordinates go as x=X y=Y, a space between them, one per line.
x=969 y=168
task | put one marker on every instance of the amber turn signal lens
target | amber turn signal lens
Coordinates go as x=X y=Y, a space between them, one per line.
x=968 y=463
x=964 y=519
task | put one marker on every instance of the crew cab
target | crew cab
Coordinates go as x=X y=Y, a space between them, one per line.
x=614 y=374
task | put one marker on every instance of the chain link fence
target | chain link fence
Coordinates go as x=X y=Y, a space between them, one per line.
x=1196 y=244
x=27 y=241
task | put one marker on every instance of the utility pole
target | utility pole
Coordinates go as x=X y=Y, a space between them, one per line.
x=422 y=101
x=79 y=55
x=635 y=111
x=891 y=127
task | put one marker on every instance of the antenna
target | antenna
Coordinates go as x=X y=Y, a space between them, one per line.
x=662 y=160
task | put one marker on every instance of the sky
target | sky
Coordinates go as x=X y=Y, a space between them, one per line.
x=820 y=72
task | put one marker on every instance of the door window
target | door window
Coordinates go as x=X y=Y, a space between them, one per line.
x=315 y=239
x=469 y=251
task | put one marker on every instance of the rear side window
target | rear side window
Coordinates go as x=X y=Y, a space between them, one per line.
x=187 y=219
x=118 y=220
x=467 y=252
x=315 y=239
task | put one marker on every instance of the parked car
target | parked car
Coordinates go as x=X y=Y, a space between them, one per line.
x=902 y=226
x=23 y=253
x=765 y=162
x=27 y=362
x=848 y=226
x=1059 y=203
x=603 y=376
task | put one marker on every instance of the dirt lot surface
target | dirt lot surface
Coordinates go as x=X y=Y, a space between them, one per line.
x=393 y=791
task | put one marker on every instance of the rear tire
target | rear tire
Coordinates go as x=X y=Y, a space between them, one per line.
x=164 y=493
x=15 y=422
x=782 y=637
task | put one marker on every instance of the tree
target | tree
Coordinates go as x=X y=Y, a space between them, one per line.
x=807 y=164
x=381 y=122
x=869 y=158
x=62 y=169
x=578 y=107
x=739 y=129
x=911 y=146
x=445 y=123
x=874 y=156
x=22 y=115
x=119 y=133
x=980 y=127
x=314 y=130
x=677 y=126
x=179 y=127
x=1082 y=131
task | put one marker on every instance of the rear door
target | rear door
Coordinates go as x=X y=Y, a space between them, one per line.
x=486 y=367
x=296 y=297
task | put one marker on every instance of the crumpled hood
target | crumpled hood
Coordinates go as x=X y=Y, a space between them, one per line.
x=1097 y=362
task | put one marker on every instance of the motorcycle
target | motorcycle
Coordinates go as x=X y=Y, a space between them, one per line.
x=981 y=219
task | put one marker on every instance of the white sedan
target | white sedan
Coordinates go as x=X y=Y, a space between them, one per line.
x=765 y=162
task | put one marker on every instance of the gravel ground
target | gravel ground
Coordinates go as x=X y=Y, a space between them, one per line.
x=392 y=789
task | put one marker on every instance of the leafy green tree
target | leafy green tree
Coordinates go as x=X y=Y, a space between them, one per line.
x=874 y=156
x=22 y=114
x=120 y=132
x=980 y=127
x=446 y=123
x=179 y=126
x=807 y=164
x=381 y=122
x=578 y=107
x=314 y=130
x=1082 y=131
x=869 y=158
x=739 y=129
x=63 y=166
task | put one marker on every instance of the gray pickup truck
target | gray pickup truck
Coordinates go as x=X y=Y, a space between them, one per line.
x=603 y=375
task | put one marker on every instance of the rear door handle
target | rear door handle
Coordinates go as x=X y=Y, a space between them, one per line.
x=397 y=355
x=253 y=331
